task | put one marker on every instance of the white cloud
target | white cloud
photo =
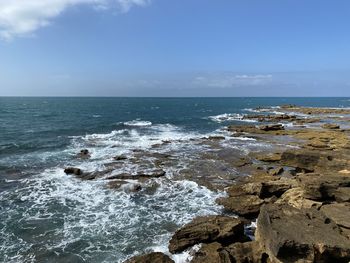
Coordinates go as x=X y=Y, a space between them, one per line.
x=227 y=80
x=23 y=17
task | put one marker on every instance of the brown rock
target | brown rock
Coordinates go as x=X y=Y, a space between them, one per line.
x=300 y=235
x=244 y=205
x=302 y=159
x=248 y=252
x=330 y=126
x=210 y=253
x=323 y=187
x=295 y=197
x=276 y=171
x=339 y=213
x=207 y=229
x=154 y=257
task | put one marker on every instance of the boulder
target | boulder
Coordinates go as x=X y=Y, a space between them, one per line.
x=300 y=235
x=210 y=253
x=139 y=175
x=207 y=229
x=154 y=257
x=73 y=170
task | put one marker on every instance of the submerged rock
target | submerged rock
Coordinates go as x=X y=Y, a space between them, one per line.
x=84 y=153
x=300 y=235
x=222 y=229
x=73 y=170
x=154 y=257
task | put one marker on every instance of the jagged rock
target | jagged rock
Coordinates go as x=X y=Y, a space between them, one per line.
x=210 y=253
x=339 y=213
x=300 y=235
x=323 y=186
x=244 y=205
x=273 y=127
x=154 y=257
x=295 y=197
x=276 y=171
x=207 y=229
x=276 y=187
x=330 y=126
x=73 y=170
x=216 y=138
x=248 y=252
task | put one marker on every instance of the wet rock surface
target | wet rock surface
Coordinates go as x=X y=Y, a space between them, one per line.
x=154 y=257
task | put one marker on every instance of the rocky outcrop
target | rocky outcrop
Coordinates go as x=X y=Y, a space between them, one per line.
x=248 y=252
x=154 y=257
x=222 y=229
x=324 y=187
x=139 y=175
x=300 y=235
x=244 y=205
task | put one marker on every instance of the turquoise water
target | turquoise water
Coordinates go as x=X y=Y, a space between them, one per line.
x=47 y=216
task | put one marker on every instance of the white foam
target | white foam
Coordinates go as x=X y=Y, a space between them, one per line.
x=137 y=123
x=229 y=117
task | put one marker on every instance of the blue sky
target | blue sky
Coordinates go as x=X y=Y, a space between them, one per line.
x=175 y=48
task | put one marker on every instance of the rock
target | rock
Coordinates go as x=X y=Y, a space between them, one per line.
x=248 y=252
x=276 y=187
x=339 y=213
x=210 y=253
x=274 y=157
x=276 y=171
x=295 y=197
x=244 y=205
x=154 y=257
x=72 y=170
x=243 y=161
x=323 y=187
x=138 y=176
x=120 y=158
x=273 y=127
x=302 y=159
x=216 y=138
x=84 y=153
x=342 y=194
x=330 y=126
x=207 y=229
x=300 y=235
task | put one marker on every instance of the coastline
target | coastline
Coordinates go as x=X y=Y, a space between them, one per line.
x=297 y=197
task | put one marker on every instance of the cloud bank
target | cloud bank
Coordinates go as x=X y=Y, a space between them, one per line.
x=24 y=17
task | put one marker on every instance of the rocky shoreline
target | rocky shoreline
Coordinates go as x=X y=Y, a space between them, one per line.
x=298 y=196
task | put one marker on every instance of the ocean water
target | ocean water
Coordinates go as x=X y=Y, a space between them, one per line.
x=48 y=216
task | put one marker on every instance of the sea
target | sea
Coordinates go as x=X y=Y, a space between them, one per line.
x=48 y=216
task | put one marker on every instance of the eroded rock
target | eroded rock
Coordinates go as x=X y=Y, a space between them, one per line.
x=154 y=257
x=293 y=235
x=222 y=229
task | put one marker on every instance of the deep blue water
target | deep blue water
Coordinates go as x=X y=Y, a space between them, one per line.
x=46 y=217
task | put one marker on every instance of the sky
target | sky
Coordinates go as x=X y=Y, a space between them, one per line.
x=174 y=48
